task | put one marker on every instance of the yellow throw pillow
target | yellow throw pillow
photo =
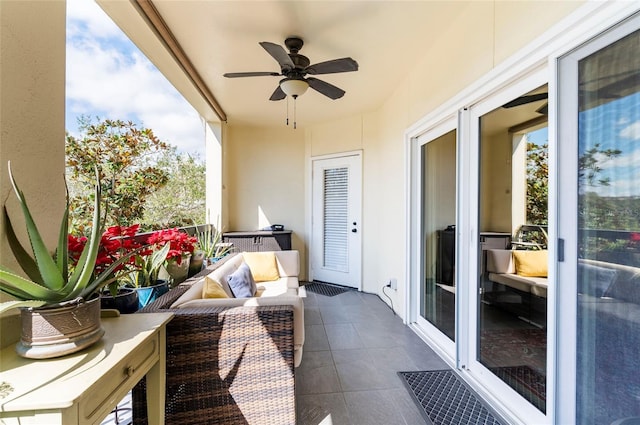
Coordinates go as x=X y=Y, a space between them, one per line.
x=212 y=289
x=531 y=263
x=263 y=265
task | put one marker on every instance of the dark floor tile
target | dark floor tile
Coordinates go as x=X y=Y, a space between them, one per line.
x=334 y=314
x=357 y=371
x=343 y=337
x=406 y=406
x=315 y=338
x=375 y=336
x=372 y=408
x=390 y=361
x=312 y=316
x=322 y=409
x=317 y=374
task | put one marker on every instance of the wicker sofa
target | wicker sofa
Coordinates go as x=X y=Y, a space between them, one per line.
x=226 y=364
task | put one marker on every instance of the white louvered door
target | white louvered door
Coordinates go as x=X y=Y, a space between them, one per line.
x=336 y=231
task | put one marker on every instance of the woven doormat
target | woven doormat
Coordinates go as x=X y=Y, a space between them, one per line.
x=445 y=400
x=326 y=289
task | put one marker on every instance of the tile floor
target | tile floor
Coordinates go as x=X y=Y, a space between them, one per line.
x=354 y=347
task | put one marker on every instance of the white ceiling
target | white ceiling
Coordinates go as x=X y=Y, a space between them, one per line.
x=386 y=38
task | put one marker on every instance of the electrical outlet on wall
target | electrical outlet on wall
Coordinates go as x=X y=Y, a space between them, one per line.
x=393 y=283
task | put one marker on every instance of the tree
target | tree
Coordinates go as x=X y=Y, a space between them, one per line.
x=589 y=165
x=181 y=202
x=125 y=157
x=537 y=183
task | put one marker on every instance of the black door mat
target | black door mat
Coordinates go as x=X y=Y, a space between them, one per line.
x=326 y=289
x=445 y=400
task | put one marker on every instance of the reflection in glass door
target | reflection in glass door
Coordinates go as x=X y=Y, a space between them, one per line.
x=512 y=263
x=438 y=209
x=608 y=217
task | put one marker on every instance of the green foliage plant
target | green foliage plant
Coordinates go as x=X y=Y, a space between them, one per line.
x=148 y=265
x=50 y=280
x=210 y=242
x=126 y=157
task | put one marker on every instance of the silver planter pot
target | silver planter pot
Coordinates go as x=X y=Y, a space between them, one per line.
x=49 y=332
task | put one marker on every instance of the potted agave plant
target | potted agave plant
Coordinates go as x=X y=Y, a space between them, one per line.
x=60 y=308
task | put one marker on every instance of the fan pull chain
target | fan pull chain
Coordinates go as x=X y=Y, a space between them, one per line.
x=294 y=111
x=287 y=110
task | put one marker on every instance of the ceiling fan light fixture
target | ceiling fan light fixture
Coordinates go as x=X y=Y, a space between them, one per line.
x=294 y=88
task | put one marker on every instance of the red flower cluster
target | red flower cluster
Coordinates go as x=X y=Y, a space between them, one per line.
x=180 y=242
x=114 y=243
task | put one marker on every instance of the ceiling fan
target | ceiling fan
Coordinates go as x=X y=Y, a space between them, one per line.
x=294 y=67
x=523 y=100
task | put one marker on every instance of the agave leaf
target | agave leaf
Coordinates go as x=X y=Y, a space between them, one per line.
x=62 y=253
x=25 y=261
x=84 y=269
x=157 y=259
x=104 y=277
x=16 y=304
x=51 y=276
x=25 y=289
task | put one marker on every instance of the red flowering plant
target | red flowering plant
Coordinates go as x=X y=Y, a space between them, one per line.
x=116 y=244
x=180 y=243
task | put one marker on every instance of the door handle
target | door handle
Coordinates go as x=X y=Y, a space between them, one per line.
x=354 y=230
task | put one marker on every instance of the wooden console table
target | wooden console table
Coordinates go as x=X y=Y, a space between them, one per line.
x=82 y=388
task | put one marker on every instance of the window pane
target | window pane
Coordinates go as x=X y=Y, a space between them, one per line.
x=608 y=383
x=438 y=291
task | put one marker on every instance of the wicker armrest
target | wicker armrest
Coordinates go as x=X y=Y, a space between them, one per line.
x=227 y=365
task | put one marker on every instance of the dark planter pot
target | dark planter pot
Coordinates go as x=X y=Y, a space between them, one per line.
x=149 y=294
x=125 y=302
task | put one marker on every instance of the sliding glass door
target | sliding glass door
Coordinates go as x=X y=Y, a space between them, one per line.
x=600 y=223
x=508 y=250
x=435 y=211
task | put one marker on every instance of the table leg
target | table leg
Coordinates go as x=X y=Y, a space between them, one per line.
x=156 y=385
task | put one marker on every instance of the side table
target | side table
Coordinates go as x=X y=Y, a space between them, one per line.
x=82 y=388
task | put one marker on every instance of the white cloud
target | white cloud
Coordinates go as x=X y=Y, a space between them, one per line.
x=107 y=76
x=626 y=159
x=632 y=131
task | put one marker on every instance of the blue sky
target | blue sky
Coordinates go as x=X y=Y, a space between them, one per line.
x=107 y=76
x=614 y=125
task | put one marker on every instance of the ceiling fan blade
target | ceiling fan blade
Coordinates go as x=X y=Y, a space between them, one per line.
x=325 y=88
x=279 y=54
x=333 y=66
x=544 y=109
x=278 y=94
x=251 y=74
x=523 y=100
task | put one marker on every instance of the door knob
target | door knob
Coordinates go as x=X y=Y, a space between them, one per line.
x=354 y=230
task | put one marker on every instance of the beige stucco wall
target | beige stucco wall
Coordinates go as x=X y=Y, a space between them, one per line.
x=32 y=79
x=264 y=180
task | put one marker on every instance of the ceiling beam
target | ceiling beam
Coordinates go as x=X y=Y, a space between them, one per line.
x=152 y=16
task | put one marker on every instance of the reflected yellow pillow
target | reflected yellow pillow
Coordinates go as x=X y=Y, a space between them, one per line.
x=212 y=289
x=531 y=263
x=263 y=265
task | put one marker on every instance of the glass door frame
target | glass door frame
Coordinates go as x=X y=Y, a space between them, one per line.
x=566 y=71
x=443 y=344
x=494 y=388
